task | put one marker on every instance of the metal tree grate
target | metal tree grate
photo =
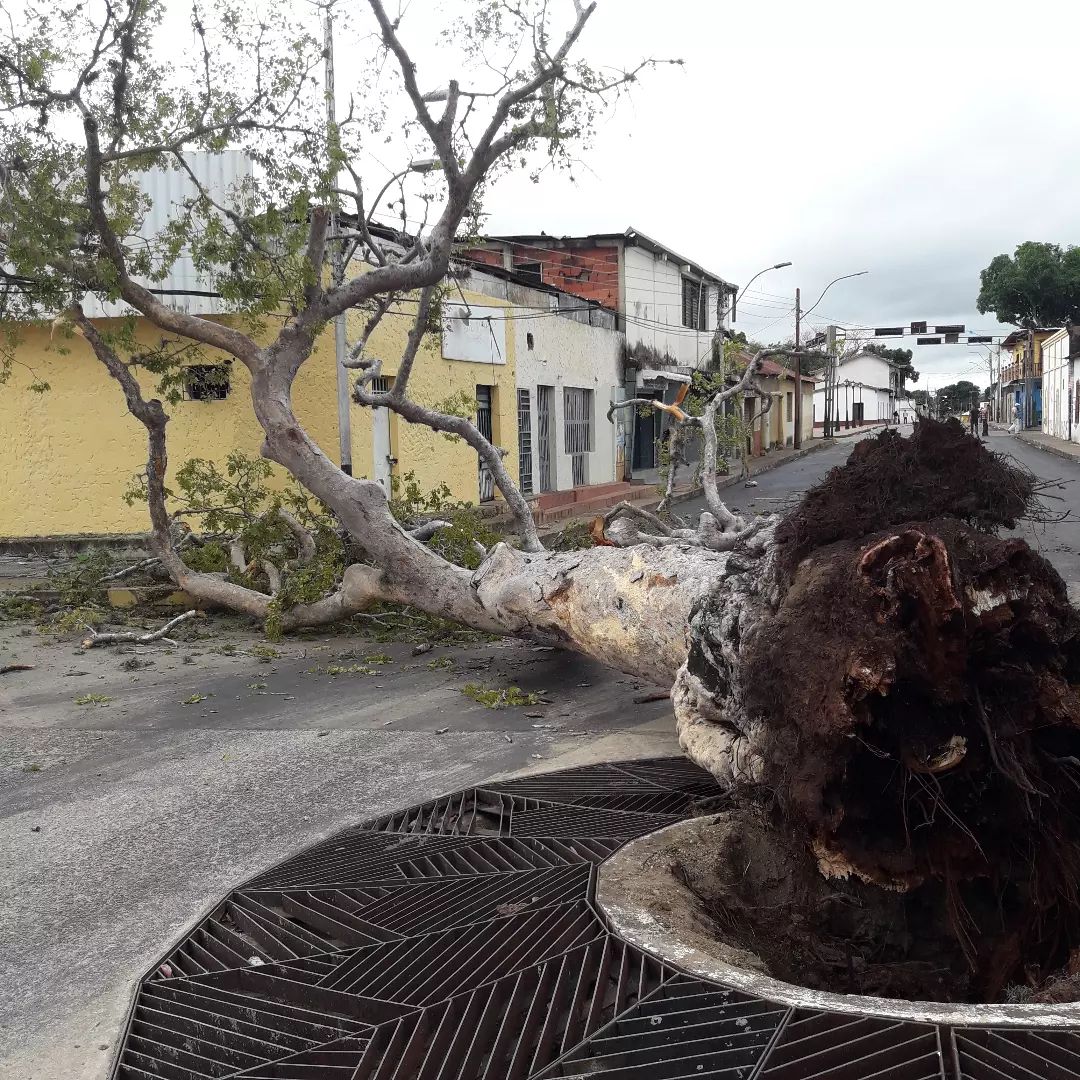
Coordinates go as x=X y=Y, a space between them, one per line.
x=458 y=940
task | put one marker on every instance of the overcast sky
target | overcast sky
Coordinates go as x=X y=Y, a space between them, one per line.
x=913 y=140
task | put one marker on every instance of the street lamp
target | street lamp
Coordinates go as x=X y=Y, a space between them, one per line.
x=421 y=165
x=717 y=345
x=799 y=315
x=842 y=277
x=742 y=291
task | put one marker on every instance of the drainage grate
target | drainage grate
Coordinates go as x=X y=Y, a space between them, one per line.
x=456 y=940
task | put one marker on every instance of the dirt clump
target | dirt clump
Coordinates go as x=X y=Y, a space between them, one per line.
x=919 y=683
x=938 y=471
x=764 y=895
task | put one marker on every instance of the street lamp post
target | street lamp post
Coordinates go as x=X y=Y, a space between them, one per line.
x=799 y=316
x=718 y=337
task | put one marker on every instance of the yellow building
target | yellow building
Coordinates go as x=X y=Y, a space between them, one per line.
x=1021 y=375
x=68 y=455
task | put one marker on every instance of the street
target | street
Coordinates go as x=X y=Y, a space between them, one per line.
x=123 y=821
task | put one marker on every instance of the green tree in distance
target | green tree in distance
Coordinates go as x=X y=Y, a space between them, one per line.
x=1038 y=286
x=957 y=397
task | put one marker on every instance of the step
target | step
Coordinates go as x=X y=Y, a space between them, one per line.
x=593 y=506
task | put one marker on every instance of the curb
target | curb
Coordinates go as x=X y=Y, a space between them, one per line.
x=1064 y=454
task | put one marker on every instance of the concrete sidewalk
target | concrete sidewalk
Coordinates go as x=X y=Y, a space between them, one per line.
x=1061 y=448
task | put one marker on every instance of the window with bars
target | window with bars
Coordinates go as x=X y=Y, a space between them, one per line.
x=695 y=304
x=525 y=463
x=578 y=420
x=206 y=382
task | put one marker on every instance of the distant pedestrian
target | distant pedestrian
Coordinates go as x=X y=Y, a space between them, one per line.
x=896 y=417
x=973 y=420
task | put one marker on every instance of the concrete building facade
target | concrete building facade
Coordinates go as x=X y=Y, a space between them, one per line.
x=569 y=368
x=868 y=391
x=669 y=307
x=1060 y=385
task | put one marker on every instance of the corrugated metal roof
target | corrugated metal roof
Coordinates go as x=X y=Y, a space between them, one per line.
x=167 y=188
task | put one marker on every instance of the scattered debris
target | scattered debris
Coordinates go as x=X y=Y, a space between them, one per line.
x=419 y=650
x=441 y=731
x=93 y=699
x=8 y=668
x=195 y=699
x=35 y=828
x=499 y=697
x=656 y=695
x=322 y=734
x=334 y=670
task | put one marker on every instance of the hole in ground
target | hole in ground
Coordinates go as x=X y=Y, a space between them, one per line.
x=763 y=893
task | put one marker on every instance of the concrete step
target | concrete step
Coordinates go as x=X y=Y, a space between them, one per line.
x=597 y=504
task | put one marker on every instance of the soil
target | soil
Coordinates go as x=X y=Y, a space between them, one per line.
x=939 y=470
x=919 y=809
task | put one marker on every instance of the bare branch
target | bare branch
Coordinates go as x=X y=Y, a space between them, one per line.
x=429 y=529
x=111 y=638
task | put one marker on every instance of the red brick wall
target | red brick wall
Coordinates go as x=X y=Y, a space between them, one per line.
x=592 y=273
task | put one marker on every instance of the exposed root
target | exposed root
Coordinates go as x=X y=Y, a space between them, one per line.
x=906 y=700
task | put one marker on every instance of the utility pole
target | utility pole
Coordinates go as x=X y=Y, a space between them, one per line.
x=830 y=382
x=798 y=373
x=1029 y=380
x=337 y=267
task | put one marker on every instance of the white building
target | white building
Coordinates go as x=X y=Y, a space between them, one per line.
x=668 y=307
x=907 y=409
x=667 y=304
x=1060 y=385
x=569 y=362
x=868 y=391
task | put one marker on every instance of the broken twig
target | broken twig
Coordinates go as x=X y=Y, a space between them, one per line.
x=112 y=638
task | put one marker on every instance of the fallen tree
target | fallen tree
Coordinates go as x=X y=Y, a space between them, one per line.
x=876 y=676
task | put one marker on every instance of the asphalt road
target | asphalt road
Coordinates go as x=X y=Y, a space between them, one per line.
x=120 y=823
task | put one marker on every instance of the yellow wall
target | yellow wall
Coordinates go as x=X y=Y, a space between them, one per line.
x=67 y=456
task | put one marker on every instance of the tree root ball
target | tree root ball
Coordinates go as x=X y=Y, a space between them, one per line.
x=915 y=691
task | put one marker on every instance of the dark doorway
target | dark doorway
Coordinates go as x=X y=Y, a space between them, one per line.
x=646 y=432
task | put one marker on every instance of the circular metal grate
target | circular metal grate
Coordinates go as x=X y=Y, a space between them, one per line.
x=458 y=940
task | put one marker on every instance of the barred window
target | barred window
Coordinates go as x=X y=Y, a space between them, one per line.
x=695 y=302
